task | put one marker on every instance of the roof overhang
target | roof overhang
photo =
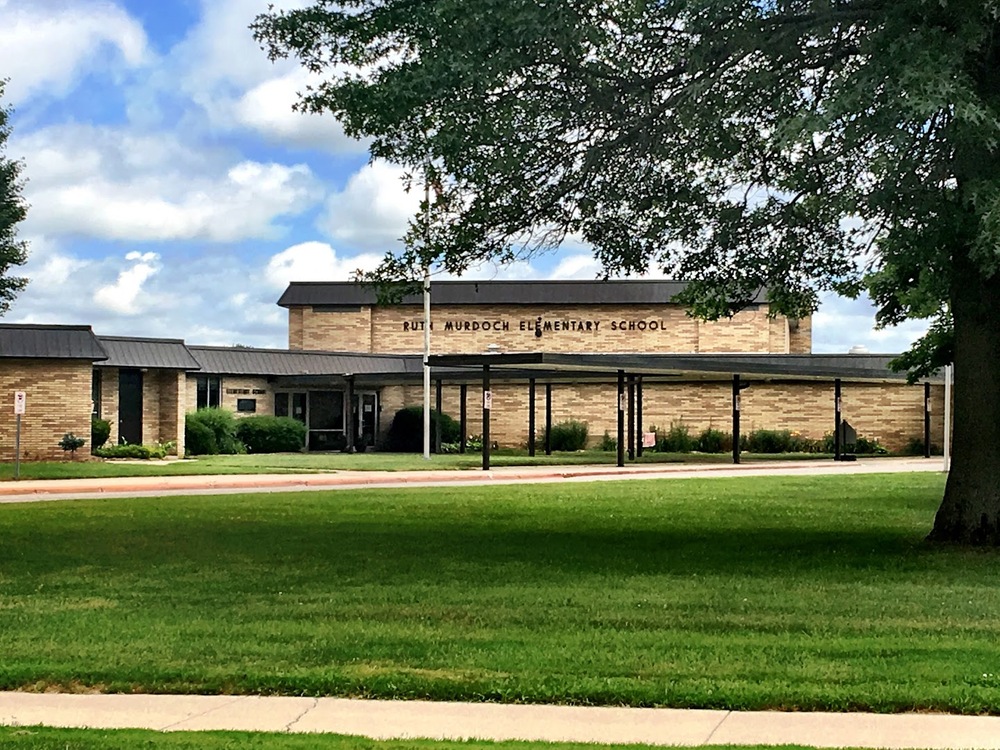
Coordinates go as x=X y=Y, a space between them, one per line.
x=869 y=368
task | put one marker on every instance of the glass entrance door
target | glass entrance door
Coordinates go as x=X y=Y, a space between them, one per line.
x=366 y=414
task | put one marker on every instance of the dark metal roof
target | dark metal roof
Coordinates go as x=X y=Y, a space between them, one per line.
x=163 y=354
x=853 y=367
x=49 y=342
x=284 y=362
x=347 y=293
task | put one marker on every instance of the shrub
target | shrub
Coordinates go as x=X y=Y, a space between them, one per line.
x=608 y=443
x=769 y=441
x=568 y=436
x=100 y=431
x=713 y=441
x=126 y=450
x=221 y=423
x=406 y=433
x=676 y=440
x=265 y=434
x=864 y=446
x=71 y=442
x=199 y=440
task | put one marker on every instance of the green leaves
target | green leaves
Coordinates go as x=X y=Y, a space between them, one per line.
x=13 y=209
x=729 y=144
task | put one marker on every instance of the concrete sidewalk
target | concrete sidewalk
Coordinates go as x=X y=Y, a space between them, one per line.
x=421 y=719
x=53 y=489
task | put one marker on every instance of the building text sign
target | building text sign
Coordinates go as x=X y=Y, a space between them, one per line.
x=20 y=402
x=538 y=326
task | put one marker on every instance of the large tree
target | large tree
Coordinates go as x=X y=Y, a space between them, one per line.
x=13 y=252
x=793 y=145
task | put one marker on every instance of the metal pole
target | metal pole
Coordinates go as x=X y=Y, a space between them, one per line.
x=927 y=420
x=487 y=404
x=463 y=417
x=427 y=355
x=736 y=419
x=631 y=418
x=836 y=419
x=531 y=417
x=548 y=419
x=349 y=416
x=948 y=371
x=621 y=417
x=638 y=415
x=17 y=449
x=437 y=421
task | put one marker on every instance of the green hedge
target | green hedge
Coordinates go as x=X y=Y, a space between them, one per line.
x=210 y=431
x=406 y=433
x=265 y=434
x=568 y=436
x=100 y=431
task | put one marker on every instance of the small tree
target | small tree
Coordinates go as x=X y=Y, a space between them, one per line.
x=71 y=442
x=13 y=209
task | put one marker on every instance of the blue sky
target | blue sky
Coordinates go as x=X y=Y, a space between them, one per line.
x=174 y=192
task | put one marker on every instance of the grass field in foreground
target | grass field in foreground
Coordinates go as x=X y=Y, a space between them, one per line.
x=283 y=463
x=41 y=738
x=739 y=593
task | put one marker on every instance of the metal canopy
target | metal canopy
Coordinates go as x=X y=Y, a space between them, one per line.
x=871 y=368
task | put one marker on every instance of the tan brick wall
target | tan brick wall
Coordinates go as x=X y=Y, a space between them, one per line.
x=172 y=398
x=893 y=414
x=253 y=388
x=295 y=334
x=800 y=336
x=340 y=331
x=58 y=401
x=566 y=328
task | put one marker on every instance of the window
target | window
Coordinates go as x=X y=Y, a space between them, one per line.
x=281 y=404
x=326 y=410
x=248 y=405
x=95 y=394
x=209 y=390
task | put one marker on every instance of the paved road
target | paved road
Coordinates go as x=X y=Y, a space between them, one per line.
x=63 y=489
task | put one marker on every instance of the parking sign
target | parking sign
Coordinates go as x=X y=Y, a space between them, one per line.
x=20 y=402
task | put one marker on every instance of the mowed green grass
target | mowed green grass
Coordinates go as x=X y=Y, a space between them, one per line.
x=284 y=463
x=791 y=593
x=40 y=738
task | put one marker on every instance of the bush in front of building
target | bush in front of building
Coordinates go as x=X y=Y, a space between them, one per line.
x=100 y=431
x=71 y=442
x=406 y=433
x=712 y=440
x=217 y=423
x=677 y=439
x=130 y=450
x=266 y=434
x=568 y=436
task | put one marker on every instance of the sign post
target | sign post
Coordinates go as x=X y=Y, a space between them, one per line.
x=20 y=402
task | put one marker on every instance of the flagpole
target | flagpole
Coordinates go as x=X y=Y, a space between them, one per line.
x=427 y=320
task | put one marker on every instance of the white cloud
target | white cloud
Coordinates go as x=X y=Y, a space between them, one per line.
x=315 y=261
x=373 y=209
x=46 y=46
x=267 y=108
x=123 y=296
x=579 y=266
x=842 y=323
x=113 y=184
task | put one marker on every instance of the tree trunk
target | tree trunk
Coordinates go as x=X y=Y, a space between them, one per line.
x=970 y=511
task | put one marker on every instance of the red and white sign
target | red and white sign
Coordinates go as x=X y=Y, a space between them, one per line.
x=20 y=402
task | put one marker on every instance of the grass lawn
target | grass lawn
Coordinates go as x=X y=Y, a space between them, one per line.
x=748 y=593
x=282 y=463
x=39 y=738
